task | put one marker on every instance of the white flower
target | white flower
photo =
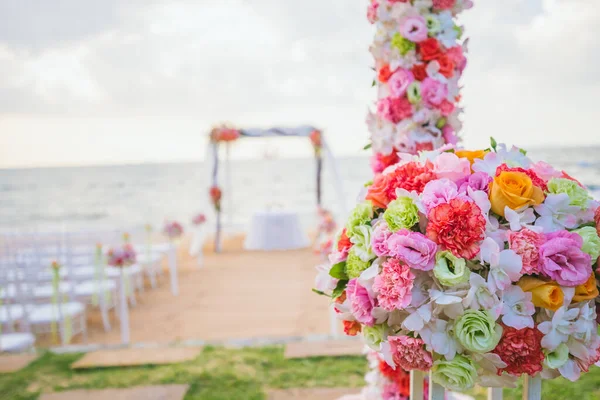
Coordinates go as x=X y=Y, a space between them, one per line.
x=585 y=327
x=505 y=265
x=517 y=309
x=422 y=5
x=438 y=336
x=556 y=213
x=522 y=218
x=417 y=319
x=433 y=71
x=559 y=329
x=448 y=35
x=481 y=295
x=325 y=282
x=382 y=134
x=491 y=161
x=513 y=157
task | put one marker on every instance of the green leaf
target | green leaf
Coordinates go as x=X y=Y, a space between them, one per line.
x=523 y=151
x=367 y=146
x=374 y=83
x=367 y=184
x=493 y=143
x=339 y=289
x=338 y=271
x=320 y=293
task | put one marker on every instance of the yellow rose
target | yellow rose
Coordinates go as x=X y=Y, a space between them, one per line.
x=471 y=155
x=587 y=291
x=515 y=190
x=545 y=294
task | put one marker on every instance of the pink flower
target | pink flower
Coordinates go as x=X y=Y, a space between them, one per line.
x=449 y=134
x=450 y=166
x=443 y=4
x=394 y=285
x=446 y=108
x=521 y=350
x=526 y=244
x=476 y=181
x=394 y=109
x=433 y=92
x=372 y=12
x=457 y=56
x=545 y=171
x=562 y=260
x=361 y=304
x=438 y=192
x=414 y=28
x=409 y=353
x=379 y=238
x=400 y=81
x=391 y=391
x=199 y=219
x=414 y=248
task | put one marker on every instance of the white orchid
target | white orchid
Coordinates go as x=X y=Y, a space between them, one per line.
x=518 y=308
x=418 y=318
x=519 y=219
x=438 y=336
x=556 y=213
x=323 y=281
x=481 y=295
x=559 y=329
x=505 y=265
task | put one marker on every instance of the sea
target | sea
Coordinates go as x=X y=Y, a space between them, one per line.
x=127 y=196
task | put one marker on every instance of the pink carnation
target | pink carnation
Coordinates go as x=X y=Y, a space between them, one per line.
x=562 y=260
x=457 y=56
x=443 y=4
x=394 y=285
x=414 y=28
x=526 y=244
x=410 y=354
x=400 y=81
x=438 y=192
x=379 y=238
x=433 y=92
x=394 y=109
x=414 y=248
x=361 y=304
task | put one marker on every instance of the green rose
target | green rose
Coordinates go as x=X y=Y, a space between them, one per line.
x=557 y=358
x=591 y=241
x=433 y=24
x=362 y=242
x=413 y=92
x=477 y=331
x=401 y=44
x=459 y=374
x=401 y=213
x=361 y=215
x=374 y=335
x=578 y=195
x=355 y=265
x=450 y=270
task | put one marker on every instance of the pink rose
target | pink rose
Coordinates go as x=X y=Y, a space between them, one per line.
x=433 y=92
x=413 y=248
x=456 y=55
x=526 y=244
x=400 y=81
x=372 y=12
x=562 y=260
x=379 y=238
x=361 y=304
x=414 y=28
x=449 y=165
x=394 y=285
x=446 y=108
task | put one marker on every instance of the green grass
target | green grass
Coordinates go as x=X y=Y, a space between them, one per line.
x=225 y=374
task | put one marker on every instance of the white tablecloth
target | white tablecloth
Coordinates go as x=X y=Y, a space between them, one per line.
x=275 y=230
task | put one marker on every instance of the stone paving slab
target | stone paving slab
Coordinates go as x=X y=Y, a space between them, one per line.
x=137 y=357
x=328 y=348
x=166 y=392
x=15 y=362
x=313 y=394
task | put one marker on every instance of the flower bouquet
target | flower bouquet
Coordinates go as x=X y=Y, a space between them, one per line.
x=419 y=58
x=476 y=265
x=122 y=256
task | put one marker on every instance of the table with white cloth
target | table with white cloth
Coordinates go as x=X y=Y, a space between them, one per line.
x=275 y=230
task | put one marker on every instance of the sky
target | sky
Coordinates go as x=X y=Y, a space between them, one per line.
x=95 y=82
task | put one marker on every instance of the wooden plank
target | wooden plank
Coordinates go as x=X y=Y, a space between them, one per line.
x=416 y=385
x=15 y=362
x=136 y=357
x=313 y=394
x=165 y=392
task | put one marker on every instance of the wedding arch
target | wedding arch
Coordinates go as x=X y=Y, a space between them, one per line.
x=225 y=135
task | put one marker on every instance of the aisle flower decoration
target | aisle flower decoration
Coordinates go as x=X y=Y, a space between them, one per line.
x=121 y=256
x=173 y=230
x=199 y=219
x=419 y=55
x=224 y=133
x=326 y=230
x=316 y=141
x=477 y=265
x=215 y=194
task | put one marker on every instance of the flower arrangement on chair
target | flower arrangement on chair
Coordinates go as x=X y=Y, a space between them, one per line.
x=224 y=133
x=419 y=59
x=199 y=219
x=477 y=265
x=121 y=256
x=173 y=230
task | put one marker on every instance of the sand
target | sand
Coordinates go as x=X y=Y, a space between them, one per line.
x=236 y=295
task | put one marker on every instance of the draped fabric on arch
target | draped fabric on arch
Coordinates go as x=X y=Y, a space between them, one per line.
x=225 y=135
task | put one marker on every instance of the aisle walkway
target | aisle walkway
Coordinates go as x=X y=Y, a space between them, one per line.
x=237 y=294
